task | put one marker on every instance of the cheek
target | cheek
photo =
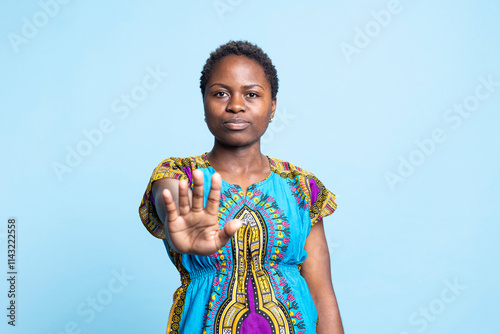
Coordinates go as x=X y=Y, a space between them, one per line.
x=263 y=125
x=214 y=107
x=265 y=116
x=264 y=120
x=209 y=112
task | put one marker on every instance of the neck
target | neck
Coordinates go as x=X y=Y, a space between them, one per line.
x=236 y=160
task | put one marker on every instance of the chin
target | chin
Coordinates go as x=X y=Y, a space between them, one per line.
x=234 y=142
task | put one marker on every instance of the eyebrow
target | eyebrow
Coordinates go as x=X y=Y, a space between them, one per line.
x=226 y=86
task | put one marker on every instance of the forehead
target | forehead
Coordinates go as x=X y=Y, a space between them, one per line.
x=238 y=69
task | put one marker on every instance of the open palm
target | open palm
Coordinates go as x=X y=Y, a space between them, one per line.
x=194 y=229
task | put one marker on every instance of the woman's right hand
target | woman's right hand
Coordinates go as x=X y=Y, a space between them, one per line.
x=192 y=228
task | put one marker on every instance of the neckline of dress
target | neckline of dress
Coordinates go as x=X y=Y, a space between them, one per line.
x=251 y=186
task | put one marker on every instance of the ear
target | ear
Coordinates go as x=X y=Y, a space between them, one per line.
x=273 y=107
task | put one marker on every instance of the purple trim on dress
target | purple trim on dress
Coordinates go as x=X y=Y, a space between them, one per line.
x=187 y=170
x=254 y=323
x=314 y=190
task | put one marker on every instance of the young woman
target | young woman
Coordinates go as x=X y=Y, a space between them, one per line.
x=244 y=230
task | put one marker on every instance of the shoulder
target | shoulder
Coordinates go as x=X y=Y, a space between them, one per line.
x=308 y=186
x=286 y=169
x=178 y=167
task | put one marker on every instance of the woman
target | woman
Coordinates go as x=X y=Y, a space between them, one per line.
x=244 y=230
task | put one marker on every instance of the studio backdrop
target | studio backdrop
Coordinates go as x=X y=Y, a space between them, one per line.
x=393 y=104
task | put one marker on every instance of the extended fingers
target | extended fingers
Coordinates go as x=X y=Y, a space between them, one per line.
x=214 y=195
x=197 y=190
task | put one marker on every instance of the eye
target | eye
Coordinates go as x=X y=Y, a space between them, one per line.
x=220 y=94
x=252 y=95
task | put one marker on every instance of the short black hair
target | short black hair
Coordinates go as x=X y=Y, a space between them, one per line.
x=241 y=48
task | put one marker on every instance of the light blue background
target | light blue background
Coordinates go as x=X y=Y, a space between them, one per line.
x=346 y=119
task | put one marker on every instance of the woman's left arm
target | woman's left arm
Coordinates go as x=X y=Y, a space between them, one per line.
x=316 y=272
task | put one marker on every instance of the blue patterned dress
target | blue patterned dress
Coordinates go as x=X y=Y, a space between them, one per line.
x=253 y=284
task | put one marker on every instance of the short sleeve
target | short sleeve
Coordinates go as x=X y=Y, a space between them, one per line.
x=322 y=200
x=173 y=168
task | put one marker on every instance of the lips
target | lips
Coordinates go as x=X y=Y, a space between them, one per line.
x=236 y=124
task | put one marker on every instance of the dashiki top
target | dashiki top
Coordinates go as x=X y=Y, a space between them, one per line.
x=253 y=284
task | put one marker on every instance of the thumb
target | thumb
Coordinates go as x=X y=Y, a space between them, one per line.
x=228 y=230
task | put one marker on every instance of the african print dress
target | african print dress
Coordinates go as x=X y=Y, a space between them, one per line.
x=253 y=284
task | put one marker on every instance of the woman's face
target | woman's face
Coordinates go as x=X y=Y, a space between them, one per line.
x=238 y=103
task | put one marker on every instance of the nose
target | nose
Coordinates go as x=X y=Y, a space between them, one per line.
x=236 y=104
